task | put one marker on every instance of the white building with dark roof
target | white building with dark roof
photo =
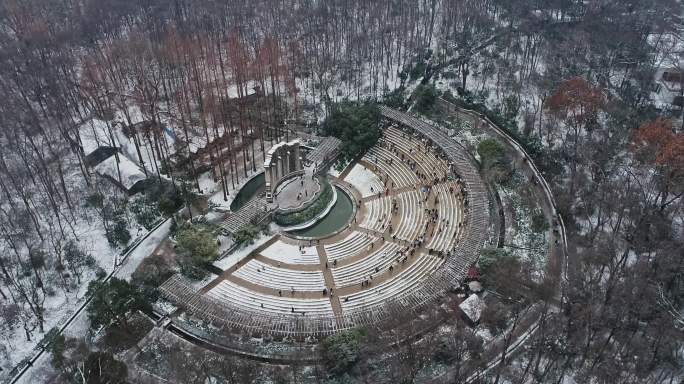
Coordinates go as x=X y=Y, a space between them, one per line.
x=127 y=176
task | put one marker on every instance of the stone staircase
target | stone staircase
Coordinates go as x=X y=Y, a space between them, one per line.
x=251 y=212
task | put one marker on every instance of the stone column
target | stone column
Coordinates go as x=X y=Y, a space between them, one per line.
x=287 y=162
x=298 y=159
x=281 y=165
x=269 y=174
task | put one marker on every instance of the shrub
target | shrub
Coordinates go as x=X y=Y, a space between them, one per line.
x=539 y=223
x=166 y=196
x=196 y=247
x=341 y=351
x=246 y=234
x=418 y=70
x=490 y=151
x=57 y=348
x=119 y=234
x=395 y=99
x=145 y=211
x=494 y=162
x=94 y=200
x=100 y=273
x=77 y=259
x=313 y=210
x=168 y=206
x=489 y=257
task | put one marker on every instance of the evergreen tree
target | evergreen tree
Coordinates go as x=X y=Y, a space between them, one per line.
x=112 y=301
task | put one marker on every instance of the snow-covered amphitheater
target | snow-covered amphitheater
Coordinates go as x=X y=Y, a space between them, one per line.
x=421 y=217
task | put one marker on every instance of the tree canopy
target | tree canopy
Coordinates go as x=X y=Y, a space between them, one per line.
x=198 y=242
x=341 y=351
x=425 y=97
x=657 y=147
x=196 y=246
x=356 y=124
x=112 y=301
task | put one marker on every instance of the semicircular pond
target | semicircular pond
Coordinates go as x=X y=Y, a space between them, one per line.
x=336 y=219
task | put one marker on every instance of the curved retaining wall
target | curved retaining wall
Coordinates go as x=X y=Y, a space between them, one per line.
x=548 y=195
x=318 y=217
x=350 y=195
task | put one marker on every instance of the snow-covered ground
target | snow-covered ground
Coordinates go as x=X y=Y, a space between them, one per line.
x=365 y=181
x=232 y=259
x=288 y=253
x=207 y=184
x=41 y=369
x=334 y=172
x=64 y=295
x=521 y=240
x=484 y=334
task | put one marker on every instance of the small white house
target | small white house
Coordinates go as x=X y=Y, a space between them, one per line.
x=127 y=176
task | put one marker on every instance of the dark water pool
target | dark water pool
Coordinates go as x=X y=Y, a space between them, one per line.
x=336 y=219
x=252 y=188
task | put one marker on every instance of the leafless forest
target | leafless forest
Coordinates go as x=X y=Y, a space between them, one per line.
x=576 y=80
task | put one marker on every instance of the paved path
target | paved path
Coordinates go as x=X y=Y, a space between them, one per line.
x=329 y=280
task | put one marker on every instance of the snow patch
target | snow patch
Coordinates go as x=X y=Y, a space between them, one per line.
x=289 y=253
x=365 y=181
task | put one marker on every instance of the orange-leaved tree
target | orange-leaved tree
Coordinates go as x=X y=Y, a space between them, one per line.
x=577 y=104
x=656 y=145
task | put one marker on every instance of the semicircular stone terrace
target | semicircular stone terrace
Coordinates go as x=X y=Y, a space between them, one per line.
x=392 y=258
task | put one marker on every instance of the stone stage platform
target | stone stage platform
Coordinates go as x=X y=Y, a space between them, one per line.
x=297 y=191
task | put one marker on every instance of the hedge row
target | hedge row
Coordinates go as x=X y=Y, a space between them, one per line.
x=313 y=210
